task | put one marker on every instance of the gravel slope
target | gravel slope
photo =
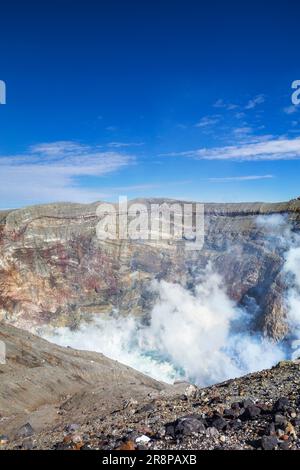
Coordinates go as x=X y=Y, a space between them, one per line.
x=59 y=398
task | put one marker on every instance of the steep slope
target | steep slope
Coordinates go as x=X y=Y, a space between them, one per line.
x=53 y=269
x=38 y=376
x=258 y=411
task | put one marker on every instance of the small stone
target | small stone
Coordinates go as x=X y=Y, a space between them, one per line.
x=246 y=403
x=280 y=433
x=270 y=430
x=293 y=414
x=25 y=431
x=291 y=430
x=251 y=412
x=27 y=444
x=4 y=440
x=268 y=442
x=212 y=432
x=142 y=440
x=190 y=391
x=153 y=419
x=263 y=408
x=218 y=422
x=61 y=446
x=76 y=438
x=131 y=402
x=141 y=447
x=148 y=408
x=283 y=364
x=236 y=424
x=235 y=406
x=281 y=405
x=145 y=430
x=223 y=439
x=72 y=427
x=280 y=419
x=185 y=426
x=86 y=447
x=77 y=446
x=128 y=445
x=284 y=445
x=231 y=413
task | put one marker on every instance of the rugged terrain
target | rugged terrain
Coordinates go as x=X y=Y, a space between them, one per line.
x=38 y=375
x=54 y=270
x=57 y=398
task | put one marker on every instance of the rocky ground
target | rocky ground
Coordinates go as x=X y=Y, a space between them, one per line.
x=258 y=411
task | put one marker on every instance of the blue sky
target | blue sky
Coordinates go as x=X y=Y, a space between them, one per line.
x=182 y=99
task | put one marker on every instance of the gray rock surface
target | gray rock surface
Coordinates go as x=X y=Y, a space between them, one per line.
x=39 y=376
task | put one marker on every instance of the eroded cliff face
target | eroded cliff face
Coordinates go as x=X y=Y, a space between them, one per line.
x=54 y=269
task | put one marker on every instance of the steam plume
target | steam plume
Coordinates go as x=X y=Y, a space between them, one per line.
x=201 y=336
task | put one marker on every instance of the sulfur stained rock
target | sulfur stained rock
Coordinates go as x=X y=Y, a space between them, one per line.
x=128 y=445
x=48 y=251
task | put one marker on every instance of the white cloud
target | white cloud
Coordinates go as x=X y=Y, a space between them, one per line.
x=207 y=121
x=260 y=150
x=290 y=109
x=219 y=104
x=124 y=144
x=240 y=115
x=259 y=99
x=232 y=179
x=49 y=172
x=222 y=104
x=252 y=103
x=58 y=149
x=242 y=131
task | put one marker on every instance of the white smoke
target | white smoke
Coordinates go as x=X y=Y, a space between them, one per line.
x=280 y=228
x=194 y=336
x=118 y=338
x=201 y=336
x=292 y=268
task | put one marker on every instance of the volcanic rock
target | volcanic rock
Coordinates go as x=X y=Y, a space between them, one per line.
x=280 y=420
x=218 y=422
x=185 y=427
x=25 y=431
x=282 y=404
x=269 y=442
x=54 y=270
x=251 y=412
x=107 y=423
